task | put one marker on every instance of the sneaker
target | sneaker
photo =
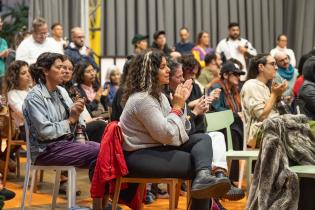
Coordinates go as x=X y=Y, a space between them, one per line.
x=63 y=189
x=109 y=207
x=235 y=193
x=206 y=186
x=7 y=194
x=149 y=198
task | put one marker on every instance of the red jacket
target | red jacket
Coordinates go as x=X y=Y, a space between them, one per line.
x=111 y=164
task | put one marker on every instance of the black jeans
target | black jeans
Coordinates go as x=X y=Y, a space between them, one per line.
x=174 y=162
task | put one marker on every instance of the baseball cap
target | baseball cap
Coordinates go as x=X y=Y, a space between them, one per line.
x=138 y=37
x=157 y=34
x=229 y=67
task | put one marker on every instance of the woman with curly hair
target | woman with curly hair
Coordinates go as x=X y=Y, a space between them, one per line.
x=18 y=82
x=156 y=143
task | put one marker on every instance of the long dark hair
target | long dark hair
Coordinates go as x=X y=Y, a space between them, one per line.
x=44 y=62
x=199 y=36
x=143 y=75
x=78 y=75
x=253 y=70
x=12 y=75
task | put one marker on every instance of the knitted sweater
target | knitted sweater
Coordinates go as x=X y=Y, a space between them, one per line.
x=147 y=123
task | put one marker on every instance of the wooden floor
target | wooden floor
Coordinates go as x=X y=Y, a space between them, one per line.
x=42 y=199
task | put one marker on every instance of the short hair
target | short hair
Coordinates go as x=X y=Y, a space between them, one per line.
x=210 y=57
x=54 y=25
x=280 y=35
x=184 y=28
x=38 y=22
x=233 y=24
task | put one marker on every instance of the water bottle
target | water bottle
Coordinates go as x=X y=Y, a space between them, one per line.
x=79 y=134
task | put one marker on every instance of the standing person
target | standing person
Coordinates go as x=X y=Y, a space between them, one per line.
x=258 y=102
x=282 y=42
x=202 y=48
x=184 y=46
x=160 y=42
x=77 y=50
x=57 y=35
x=140 y=42
x=158 y=145
x=211 y=71
x=4 y=52
x=36 y=44
x=51 y=137
x=236 y=47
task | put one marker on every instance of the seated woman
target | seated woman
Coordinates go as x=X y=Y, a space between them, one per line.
x=52 y=117
x=155 y=140
x=94 y=126
x=113 y=85
x=18 y=83
x=202 y=48
x=258 y=102
x=306 y=93
x=89 y=88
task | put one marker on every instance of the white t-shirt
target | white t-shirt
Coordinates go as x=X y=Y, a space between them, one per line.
x=60 y=44
x=29 y=49
x=289 y=52
x=230 y=49
x=16 y=99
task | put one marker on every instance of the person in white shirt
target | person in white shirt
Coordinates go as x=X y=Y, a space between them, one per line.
x=36 y=44
x=236 y=47
x=282 y=42
x=18 y=83
x=57 y=35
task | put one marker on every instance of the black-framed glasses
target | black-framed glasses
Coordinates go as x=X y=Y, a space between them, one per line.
x=272 y=63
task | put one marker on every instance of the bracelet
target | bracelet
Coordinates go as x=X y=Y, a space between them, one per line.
x=178 y=112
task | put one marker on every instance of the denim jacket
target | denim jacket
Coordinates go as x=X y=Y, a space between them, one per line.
x=46 y=123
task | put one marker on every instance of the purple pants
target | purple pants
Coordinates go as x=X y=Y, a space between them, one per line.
x=67 y=153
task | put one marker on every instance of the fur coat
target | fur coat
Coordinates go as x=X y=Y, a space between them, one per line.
x=274 y=186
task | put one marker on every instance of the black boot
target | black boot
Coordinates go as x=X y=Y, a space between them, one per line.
x=235 y=193
x=205 y=185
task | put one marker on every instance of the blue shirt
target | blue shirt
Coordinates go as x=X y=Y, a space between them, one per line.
x=184 y=47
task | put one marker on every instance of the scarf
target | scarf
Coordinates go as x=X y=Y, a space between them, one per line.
x=286 y=73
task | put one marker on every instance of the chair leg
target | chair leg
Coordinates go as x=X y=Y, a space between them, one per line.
x=71 y=187
x=41 y=176
x=116 y=195
x=248 y=174
x=172 y=192
x=241 y=173
x=188 y=188
x=56 y=189
x=178 y=187
x=35 y=185
x=25 y=186
x=34 y=172
x=97 y=204
x=142 y=188
x=6 y=163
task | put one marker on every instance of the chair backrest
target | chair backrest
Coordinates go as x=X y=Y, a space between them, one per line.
x=220 y=120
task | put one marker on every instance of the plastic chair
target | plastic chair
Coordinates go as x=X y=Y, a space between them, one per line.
x=71 y=193
x=306 y=171
x=224 y=119
x=6 y=118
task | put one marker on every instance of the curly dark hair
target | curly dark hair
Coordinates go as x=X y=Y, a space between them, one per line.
x=143 y=75
x=78 y=74
x=253 y=70
x=12 y=75
x=44 y=62
x=189 y=63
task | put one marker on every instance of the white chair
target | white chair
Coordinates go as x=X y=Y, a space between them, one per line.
x=71 y=192
x=224 y=119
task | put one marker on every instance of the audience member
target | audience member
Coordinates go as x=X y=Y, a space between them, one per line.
x=112 y=85
x=258 y=102
x=160 y=42
x=4 y=52
x=52 y=117
x=77 y=51
x=306 y=93
x=140 y=42
x=36 y=44
x=211 y=71
x=88 y=87
x=184 y=45
x=236 y=47
x=300 y=79
x=282 y=42
x=285 y=71
x=202 y=48
x=161 y=139
x=57 y=35
x=94 y=126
